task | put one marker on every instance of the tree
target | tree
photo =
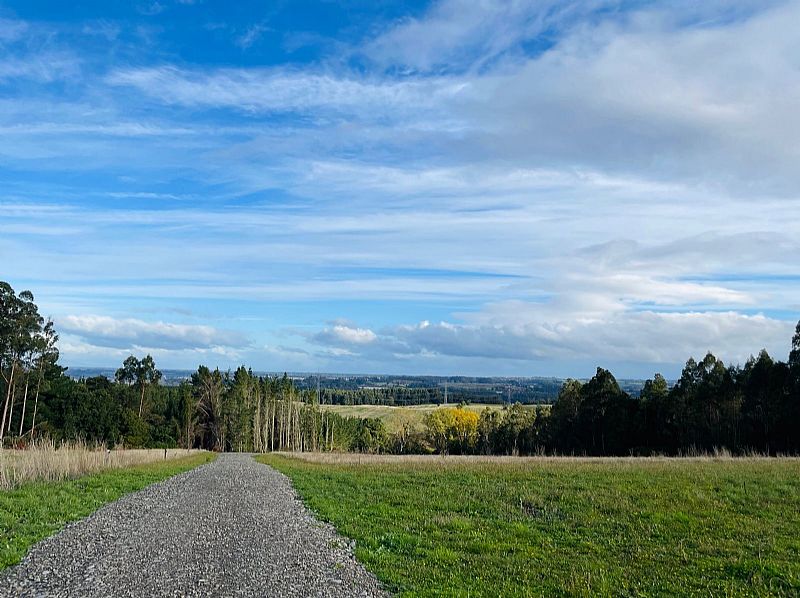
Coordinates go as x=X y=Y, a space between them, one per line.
x=47 y=359
x=127 y=373
x=142 y=373
x=147 y=376
x=209 y=391
x=452 y=429
x=599 y=411
x=655 y=389
x=564 y=417
x=794 y=354
x=371 y=437
x=654 y=425
x=20 y=329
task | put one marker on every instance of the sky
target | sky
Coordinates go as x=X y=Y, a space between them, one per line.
x=452 y=187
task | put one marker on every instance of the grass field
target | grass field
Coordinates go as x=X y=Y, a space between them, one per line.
x=36 y=510
x=395 y=417
x=564 y=527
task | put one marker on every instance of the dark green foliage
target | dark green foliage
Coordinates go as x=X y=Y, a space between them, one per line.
x=794 y=354
x=755 y=408
x=711 y=407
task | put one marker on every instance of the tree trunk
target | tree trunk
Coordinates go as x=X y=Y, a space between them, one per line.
x=24 y=403
x=8 y=397
x=272 y=429
x=257 y=425
x=36 y=401
x=11 y=410
x=141 y=402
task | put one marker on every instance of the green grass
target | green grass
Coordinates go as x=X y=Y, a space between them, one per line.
x=395 y=417
x=39 y=509
x=566 y=527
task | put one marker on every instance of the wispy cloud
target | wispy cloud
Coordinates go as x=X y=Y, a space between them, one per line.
x=594 y=167
x=12 y=30
x=151 y=8
x=281 y=90
x=458 y=35
x=128 y=333
x=44 y=67
x=252 y=35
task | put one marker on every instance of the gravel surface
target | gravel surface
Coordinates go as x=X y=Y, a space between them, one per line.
x=233 y=527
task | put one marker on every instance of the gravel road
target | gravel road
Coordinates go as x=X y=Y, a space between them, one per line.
x=233 y=527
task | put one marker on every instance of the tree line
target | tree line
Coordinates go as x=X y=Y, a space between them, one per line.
x=222 y=411
x=754 y=407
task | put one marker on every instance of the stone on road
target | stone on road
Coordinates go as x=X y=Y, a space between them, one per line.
x=233 y=527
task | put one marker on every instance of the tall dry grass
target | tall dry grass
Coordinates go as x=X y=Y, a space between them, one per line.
x=44 y=460
x=334 y=458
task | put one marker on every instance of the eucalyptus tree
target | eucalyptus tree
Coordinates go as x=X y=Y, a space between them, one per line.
x=140 y=373
x=46 y=359
x=209 y=391
x=20 y=331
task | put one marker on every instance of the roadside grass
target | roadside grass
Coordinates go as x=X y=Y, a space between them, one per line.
x=394 y=417
x=36 y=510
x=565 y=527
x=47 y=461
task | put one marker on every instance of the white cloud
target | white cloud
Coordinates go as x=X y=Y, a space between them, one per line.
x=282 y=90
x=44 y=67
x=456 y=34
x=251 y=36
x=125 y=333
x=624 y=97
x=341 y=334
x=527 y=332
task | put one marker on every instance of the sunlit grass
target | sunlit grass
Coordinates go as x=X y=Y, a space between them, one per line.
x=562 y=526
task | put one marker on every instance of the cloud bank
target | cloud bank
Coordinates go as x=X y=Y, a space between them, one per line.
x=507 y=187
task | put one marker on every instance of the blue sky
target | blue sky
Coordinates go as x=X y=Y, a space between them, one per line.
x=478 y=188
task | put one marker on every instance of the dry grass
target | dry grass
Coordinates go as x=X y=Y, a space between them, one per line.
x=46 y=461
x=368 y=459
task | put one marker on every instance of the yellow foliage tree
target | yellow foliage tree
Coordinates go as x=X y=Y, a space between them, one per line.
x=452 y=428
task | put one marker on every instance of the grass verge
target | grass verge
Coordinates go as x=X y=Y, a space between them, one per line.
x=45 y=461
x=36 y=510
x=566 y=527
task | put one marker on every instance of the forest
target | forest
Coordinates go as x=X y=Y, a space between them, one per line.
x=712 y=406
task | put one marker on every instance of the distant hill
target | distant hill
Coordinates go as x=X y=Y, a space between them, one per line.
x=484 y=389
